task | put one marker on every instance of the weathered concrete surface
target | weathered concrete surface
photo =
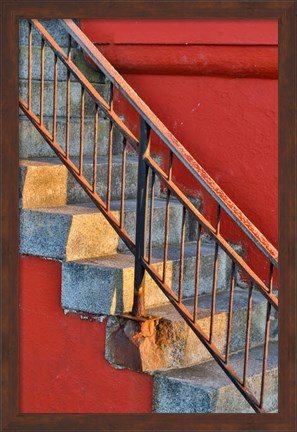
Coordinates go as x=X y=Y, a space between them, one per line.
x=68 y=233
x=33 y=145
x=115 y=293
x=189 y=269
x=175 y=220
x=48 y=183
x=90 y=234
x=98 y=285
x=42 y=184
x=76 y=56
x=76 y=194
x=171 y=343
x=205 y=388
x=53 y=26
x=75 y=97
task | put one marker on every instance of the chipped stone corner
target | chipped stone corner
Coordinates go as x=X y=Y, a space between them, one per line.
x=85 y=316
x=144 y=346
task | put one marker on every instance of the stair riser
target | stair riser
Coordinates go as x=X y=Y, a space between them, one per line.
x=77 y=195
x=67 y=237
x=75 y=98
x=102 y=290
x=33 y=145
x=53 y=185
x=172 y=396
x=77 y=58
x=174 y=231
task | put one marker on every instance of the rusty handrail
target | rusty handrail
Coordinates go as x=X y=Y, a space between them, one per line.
x=172 y=142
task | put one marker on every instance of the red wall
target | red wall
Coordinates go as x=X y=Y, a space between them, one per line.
x=62 y=365
x=214 y=85
x=195 y=31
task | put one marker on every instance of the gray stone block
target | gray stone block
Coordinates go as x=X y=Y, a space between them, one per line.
x=206 y=389
x=32 y=144
x=77 y=57
x=206 y=271
x=89 y=288
x=66 y=233
x=90 y=234
x=53 y=26
x=76 y=194
x=75 y=97
x=122 y=265
x=175 y=221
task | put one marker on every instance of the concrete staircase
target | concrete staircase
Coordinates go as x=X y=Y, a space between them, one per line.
x=58 y=221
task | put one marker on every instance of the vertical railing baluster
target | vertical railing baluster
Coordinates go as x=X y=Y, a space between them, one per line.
x=182 y=256
x=41 y=79
x=167 y=216
x=68 y=89
x=69 y=47
x=197 y=274
x=95 y=151
x=110 y=144
x=270 y=278
x=29 y=64
x=265 y=354
x=230 y=312
x=141 y=219
x=124 y=157
x=215 y=274
x=55 y=97
x=152 y=202
x=82 y=129
x=247 y=337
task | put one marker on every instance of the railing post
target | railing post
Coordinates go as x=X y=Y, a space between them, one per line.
x=141 y=217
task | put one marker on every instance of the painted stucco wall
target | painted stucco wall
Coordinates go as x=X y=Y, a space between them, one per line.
x=214 y=85
x=62 y=364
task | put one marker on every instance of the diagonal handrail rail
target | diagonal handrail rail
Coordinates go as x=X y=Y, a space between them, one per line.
x=172 y=142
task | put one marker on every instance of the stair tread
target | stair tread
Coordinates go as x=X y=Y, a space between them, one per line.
x=126 y=260
x=88 y=160
x=210 y=376
x=240 y=301
x=89 y=208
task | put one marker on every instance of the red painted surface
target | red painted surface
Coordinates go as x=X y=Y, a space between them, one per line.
x=62 y=365
x=195 y=31
x=228 y=124
x=227 y=61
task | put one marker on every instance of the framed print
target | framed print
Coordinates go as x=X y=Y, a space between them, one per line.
x=148 y=190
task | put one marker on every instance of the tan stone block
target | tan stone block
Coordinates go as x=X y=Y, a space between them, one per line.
x=90 y=236
x=45 y=185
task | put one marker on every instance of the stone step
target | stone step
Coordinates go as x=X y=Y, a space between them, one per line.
x=76 y=232
x=168 y=342
x=75 y=97
x=48 y=183
x=53 y=26
x=32 y=145
x=104 y=285
x=205 y=388
x=77 y=58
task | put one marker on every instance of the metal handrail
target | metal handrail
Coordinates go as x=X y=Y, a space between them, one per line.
x=174 y=145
